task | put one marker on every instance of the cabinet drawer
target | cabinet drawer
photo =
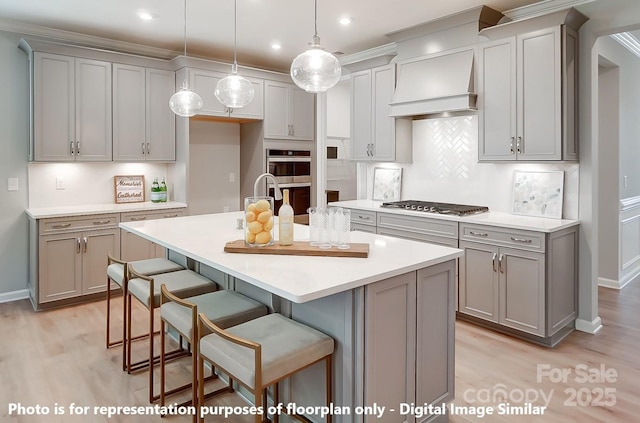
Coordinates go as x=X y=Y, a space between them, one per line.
x=422 y=225
x=526 y=240
x=417 y=236
x=363 y=228
x=363 y=217
x=65 y=224
x=164 y=214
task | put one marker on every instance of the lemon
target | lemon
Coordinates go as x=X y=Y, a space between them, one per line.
x=265 y=216
x=251 y=207
x=263 y=237
x=251 y=216
x=262 y=205
x=251 y=238
x=254 y=227
x=268 y=225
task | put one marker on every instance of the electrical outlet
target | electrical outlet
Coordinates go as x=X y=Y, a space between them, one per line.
x=625 y=181
x=232 y=176
x=12 y=184
x=60 y=183
x=225 y=209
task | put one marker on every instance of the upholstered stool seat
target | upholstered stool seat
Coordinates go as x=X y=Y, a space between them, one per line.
x=146 y=289
x=117 y=273
x=262 y=352
x=224 y=308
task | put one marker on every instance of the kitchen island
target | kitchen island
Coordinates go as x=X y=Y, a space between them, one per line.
x=391 y=314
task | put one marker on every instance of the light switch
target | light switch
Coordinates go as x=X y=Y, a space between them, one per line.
x=12 y=184
x=232 y=176
x=60 y=183
x=225 y=209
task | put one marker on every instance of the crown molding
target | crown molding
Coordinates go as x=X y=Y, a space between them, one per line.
x=82 y=40
x=382 y=55
x=542 y=8
x=628 y=41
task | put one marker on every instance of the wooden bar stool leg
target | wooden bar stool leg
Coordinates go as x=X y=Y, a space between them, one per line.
x=200 y=388
x=127 y=353
x=162 y=361
x=125 y=323
x=329 y=382
x=151 y=333
x=276 y=401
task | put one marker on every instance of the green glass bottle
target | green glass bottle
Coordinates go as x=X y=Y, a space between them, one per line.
x=163 y=191
x=155 y=191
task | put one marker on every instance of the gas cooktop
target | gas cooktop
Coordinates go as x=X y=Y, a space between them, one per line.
x=432 y=207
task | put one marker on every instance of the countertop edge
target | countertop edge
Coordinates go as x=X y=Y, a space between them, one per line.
x=88 y=210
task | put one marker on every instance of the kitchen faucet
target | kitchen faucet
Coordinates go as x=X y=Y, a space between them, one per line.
x=278 y=193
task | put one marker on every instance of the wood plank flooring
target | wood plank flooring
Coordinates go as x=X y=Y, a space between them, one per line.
x=58 y=357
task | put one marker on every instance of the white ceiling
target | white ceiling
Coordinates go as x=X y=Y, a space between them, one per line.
x=260 y=22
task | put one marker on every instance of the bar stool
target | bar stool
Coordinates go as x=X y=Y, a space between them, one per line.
x=146 y=289
x=117 y=273
x=225 y=308
x=262 y=352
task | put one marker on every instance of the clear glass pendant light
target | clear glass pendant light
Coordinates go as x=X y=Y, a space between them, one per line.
x=185 y=103
x=315 y=70
x=233 y=90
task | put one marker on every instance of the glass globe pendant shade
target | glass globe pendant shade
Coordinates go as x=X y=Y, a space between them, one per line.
x=234 y=91
x=185 y=102
x=315 y=70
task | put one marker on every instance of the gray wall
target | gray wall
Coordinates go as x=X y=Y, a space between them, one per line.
x=14 y=121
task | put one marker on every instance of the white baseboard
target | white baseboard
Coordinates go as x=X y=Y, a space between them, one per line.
x=609 y=283
x=589 y=327
x=7 y=297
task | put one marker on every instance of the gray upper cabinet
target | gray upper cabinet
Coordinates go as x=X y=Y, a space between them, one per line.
x=143 y=124
x=72 y=108
x=527 y=103
x=289 y=112
x=204 y=83
x=375 y=135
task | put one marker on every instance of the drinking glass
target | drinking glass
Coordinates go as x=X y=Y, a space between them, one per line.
x=258 y=214
x=343 y=229
x=334 y=214
x=325 y=226
x=314 y=225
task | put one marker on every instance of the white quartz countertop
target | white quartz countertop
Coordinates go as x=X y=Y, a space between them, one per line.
x=83 y=210
x=491 y=218
x=296 y=278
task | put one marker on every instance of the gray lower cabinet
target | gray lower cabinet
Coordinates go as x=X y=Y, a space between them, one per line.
x=134 y=247
x=409 y=353
x=520 y=280
x=69 y=256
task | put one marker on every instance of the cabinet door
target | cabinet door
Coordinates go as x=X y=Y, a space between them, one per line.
x=204 y=83
x=129 y=136
x=497 y=100
x=540 y=95
x=339 y=110
x=384 y=82
x=54 y=107
x=478 y=291
x=160 y=120
x=276 y=113
x=390 y=343
x=95 y=247
x=302 y=114
x=255 y=109
x=522 y=291
x=93 y=110
x=60 y=267
x=435 y=351
x=361 y=115
x=135 y=247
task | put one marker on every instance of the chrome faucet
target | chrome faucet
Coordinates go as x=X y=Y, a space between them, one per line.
x=278 y=193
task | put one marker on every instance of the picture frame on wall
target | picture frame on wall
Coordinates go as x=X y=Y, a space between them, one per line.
x=387 y=183
x=129 y=188
x=538 y=193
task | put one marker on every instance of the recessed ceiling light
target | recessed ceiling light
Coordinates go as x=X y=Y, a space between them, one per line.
x=276 y=46
x=146 y=16
x=345 y=20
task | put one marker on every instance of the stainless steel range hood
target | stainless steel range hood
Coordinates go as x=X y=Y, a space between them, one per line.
x=434 y=85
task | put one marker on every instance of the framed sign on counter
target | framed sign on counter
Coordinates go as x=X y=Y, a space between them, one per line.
x=129 y=188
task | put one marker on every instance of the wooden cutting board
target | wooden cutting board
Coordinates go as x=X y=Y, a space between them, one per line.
x=299 y=248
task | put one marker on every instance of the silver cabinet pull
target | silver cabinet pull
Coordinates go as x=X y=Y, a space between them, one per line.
x=526 y=241
x=142 y=148
x=86 y=241
x=72 y=150
x=511 y=145
x=136 y=218
x=482 y=234
x=171 y=215
x=364 y=217
x=61 y=226
x=78 y=148
x=78 y=245
x=520 y=145
x=493 y=261
x=101 y=222
x=500 y=265
x=148 y=149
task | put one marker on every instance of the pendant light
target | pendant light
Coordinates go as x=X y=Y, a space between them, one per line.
x=315 y=70
x=185 y=103
x=233 y=90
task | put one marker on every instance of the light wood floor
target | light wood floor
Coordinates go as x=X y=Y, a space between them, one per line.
x=59 y=357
